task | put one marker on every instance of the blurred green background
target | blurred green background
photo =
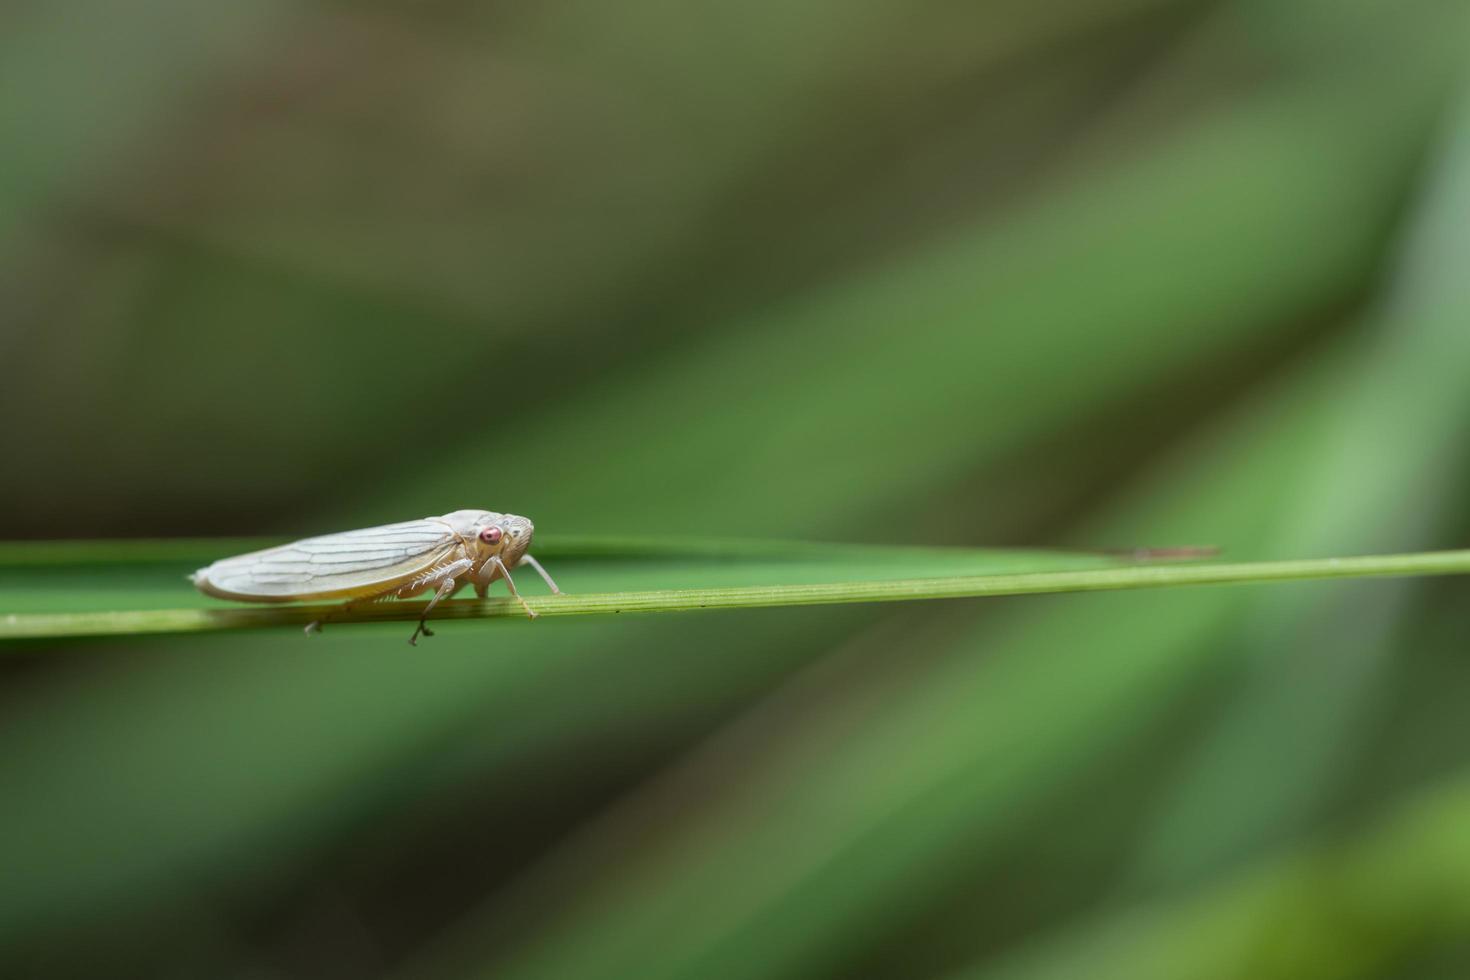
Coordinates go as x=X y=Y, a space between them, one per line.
x=1093 y=274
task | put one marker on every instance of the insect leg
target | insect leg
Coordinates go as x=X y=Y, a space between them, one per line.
x=315 y=626
x=487 y=573
x=482 y=577
x=445 y=588
x=447 y=584
x=528 y=560
x=505 y=574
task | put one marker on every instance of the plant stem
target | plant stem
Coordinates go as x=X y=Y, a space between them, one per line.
x=51 y=625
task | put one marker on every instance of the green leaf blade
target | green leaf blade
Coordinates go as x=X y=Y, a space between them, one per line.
x=804 y=583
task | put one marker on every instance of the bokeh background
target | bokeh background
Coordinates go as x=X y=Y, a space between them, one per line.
x=1090 y=273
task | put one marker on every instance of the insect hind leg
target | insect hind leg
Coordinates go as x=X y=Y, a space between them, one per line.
x=446 y=589
x=446 y=582
x=441 y=579
x=315 y=626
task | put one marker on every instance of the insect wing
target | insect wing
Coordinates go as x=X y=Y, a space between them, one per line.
x=347 y=564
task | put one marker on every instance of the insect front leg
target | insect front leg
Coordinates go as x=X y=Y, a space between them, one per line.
x=482 y=578
x=493 y=569
x=526 y=559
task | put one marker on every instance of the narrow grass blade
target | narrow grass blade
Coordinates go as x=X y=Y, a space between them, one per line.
x=50 y=625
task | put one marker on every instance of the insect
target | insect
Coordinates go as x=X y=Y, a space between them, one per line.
x=395 y=561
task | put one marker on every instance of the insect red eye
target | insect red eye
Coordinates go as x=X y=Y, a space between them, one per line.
x=491 y=535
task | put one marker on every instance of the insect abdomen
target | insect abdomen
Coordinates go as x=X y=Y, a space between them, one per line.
x=334 y=566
